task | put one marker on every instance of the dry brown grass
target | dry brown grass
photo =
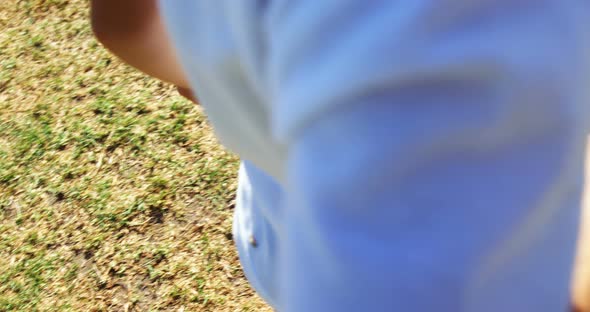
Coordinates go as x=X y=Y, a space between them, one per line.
x=114 y=195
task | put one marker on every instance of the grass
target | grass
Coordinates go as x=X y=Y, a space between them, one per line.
x=114 y=194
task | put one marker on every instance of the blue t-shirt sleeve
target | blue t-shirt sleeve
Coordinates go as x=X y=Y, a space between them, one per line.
x=434 y=153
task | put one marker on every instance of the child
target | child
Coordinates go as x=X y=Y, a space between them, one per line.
x=397 y=155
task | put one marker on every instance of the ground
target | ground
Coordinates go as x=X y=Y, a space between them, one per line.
x=114 y=194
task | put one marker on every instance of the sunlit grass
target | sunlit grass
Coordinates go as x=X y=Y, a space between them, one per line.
x=114 y=195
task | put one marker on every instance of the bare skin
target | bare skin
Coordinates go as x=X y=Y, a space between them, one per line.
x=187 y=93
x=581 y=279
x=133 y=31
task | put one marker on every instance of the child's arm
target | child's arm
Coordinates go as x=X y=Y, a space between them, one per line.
x=581 y=282
x=133 y=30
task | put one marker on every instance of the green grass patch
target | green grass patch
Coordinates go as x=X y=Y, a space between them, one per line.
x=114 y=194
